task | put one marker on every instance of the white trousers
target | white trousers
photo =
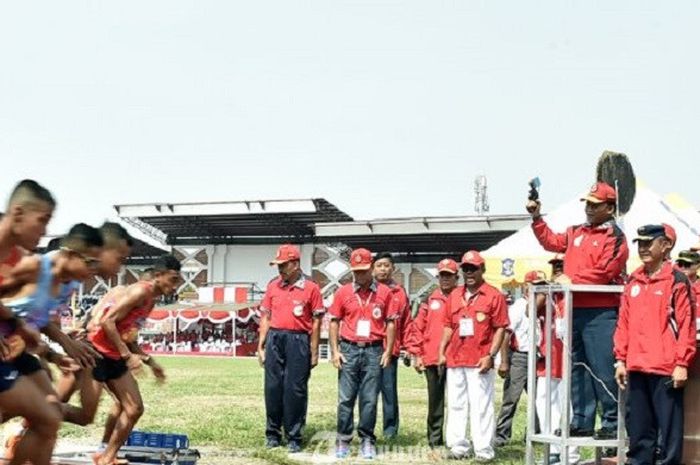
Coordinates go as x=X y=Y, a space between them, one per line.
x=470 y=395
x=556 y=402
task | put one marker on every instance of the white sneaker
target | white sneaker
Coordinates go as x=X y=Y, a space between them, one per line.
x=459 y=452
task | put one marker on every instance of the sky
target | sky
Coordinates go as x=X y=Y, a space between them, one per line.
x=385 y=108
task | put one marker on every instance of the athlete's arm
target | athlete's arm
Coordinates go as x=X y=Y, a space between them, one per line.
x=25 y=272
x=81 y=352
x=157 y=370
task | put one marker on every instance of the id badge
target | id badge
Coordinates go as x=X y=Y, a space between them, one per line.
x=560 y=328
x=466 y=327
x=363 y=328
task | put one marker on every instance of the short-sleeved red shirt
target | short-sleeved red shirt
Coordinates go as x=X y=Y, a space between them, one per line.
x=557 y=364
x=352 y=304
x=427 y=328
x=403 y=321
x=487 y=310
x=292 y=307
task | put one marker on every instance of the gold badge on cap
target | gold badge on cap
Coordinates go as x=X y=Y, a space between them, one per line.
x=358 y=259
x=470 y=255
x=594 y=187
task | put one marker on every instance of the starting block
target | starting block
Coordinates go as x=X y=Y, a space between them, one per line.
x=141 y=449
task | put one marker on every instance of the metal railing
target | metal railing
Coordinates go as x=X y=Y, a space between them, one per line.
x=564 y=440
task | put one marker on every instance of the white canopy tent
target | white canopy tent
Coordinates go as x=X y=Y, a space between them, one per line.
x=512 y=257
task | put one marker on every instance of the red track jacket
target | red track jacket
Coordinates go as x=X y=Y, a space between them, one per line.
x=593 y=255
x=656 y=328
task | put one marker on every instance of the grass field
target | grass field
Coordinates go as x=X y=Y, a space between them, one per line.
x=219 y=404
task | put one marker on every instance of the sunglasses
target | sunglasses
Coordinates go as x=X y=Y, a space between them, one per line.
x=684 y=264
x=470 y=268
x=91 y=262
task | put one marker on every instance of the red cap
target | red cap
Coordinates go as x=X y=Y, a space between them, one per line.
x=447 y=265
x=600 y=192
x=472 y=258
x=535 y=277
x=670 y=233
x=286 y=253
x=557 y=258
x=360 y=259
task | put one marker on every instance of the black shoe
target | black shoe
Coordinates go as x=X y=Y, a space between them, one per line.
x=293 y=447
x=499 y=442
x=580 y=433
x=605 y=433
x=271 y=443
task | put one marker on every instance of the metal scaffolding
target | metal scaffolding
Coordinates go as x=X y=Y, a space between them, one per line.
x=563 y=440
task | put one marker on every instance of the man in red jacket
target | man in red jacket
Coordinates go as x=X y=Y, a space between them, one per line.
x=424 y=344
x=654 y=345
x=383 y=270
x=594 y=253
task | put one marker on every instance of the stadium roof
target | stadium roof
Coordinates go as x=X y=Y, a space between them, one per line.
x=316 y=220
x=423 y=239
x=240 y=222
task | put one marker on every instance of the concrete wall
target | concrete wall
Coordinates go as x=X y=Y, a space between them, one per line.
x=248 y=263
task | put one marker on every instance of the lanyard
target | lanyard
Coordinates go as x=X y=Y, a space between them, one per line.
x=365 y=303
x=468 y=302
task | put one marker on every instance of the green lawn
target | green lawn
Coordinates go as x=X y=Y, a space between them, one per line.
x=219 y=404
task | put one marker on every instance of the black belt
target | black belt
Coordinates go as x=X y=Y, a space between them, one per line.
x=363 y=344
x=290 y=331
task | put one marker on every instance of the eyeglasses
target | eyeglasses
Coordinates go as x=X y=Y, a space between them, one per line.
x=684 y=264
x=91 y=262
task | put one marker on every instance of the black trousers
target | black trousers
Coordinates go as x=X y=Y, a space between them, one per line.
x=390 y=399
x=435 y=378
x=654 y=413
x=287 y=369
x=513 y=387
